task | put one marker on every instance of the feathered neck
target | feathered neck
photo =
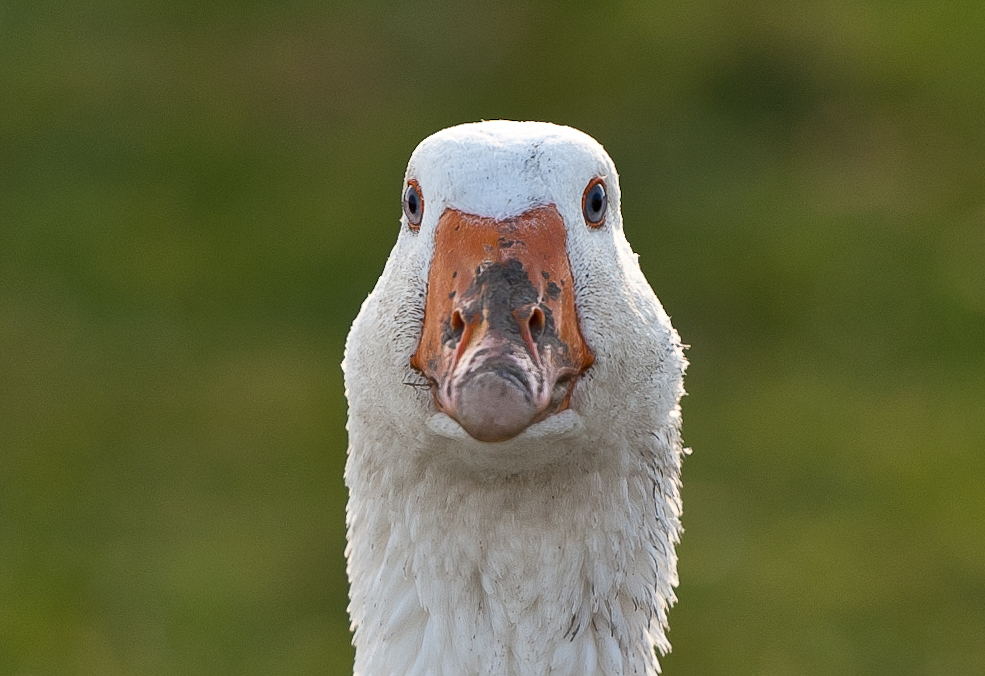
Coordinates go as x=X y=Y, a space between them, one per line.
x=568 y=570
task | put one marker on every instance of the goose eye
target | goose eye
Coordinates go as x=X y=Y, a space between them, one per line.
x=413 y=204
x=594 y=203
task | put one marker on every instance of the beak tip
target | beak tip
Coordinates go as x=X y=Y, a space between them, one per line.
x=492 y=408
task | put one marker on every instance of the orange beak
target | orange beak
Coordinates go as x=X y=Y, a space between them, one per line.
x=501 y=344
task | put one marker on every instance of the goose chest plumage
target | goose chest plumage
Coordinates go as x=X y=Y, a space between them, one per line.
x=514 y=421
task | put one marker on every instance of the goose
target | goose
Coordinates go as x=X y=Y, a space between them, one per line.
x=514 y=421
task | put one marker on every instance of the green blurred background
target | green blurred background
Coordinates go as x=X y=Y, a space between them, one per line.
x=195 y=198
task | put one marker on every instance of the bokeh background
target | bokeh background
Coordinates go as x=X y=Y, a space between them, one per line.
x=195 y=197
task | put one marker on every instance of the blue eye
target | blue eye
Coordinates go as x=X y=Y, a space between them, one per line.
x=594 y=202
x=413 y=204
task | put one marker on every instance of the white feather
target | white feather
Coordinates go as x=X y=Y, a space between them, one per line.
x=550 y=553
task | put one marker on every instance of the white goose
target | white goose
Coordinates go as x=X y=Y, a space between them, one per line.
x=514 y=421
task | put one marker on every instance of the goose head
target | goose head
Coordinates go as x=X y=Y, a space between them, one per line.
x=511 y=379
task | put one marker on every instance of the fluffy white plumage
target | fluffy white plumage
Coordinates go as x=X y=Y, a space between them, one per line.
x=551 y=553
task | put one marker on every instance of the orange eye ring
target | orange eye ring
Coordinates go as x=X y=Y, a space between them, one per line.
x=413 y=204
x=594 y=203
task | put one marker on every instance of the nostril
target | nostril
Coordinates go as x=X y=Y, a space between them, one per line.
x=536 y=322
x=457 y=325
